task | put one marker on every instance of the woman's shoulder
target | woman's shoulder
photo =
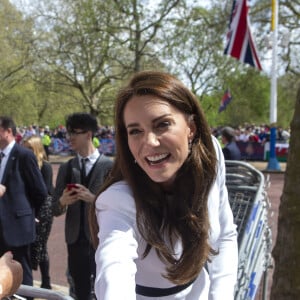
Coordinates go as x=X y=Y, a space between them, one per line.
x=117 y=196
x=119 y=187
x=217 y=146
x=220 y=157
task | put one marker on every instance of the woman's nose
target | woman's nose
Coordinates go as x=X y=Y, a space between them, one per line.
x=152 y=139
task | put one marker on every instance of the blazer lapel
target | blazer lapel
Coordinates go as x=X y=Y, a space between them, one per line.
x=95 y=172
x=75 y=170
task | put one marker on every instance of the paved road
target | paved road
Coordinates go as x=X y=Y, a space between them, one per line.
x=57 y=247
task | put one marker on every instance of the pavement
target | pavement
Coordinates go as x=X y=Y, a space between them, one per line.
x=57 y=247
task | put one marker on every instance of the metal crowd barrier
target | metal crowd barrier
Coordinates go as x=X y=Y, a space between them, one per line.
x=40 y=293
x=249 y=203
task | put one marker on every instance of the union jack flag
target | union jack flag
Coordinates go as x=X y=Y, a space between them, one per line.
x=240 y=44
x=225 y=100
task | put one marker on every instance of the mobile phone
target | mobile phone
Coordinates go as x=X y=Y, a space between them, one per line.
x=71 y=186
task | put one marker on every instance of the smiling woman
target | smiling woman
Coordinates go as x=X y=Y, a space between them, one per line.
x=162 y=217
x=159 y=136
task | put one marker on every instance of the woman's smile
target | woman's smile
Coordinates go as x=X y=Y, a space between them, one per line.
x=157 y=158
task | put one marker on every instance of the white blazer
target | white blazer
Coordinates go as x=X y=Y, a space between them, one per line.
x=119 y=255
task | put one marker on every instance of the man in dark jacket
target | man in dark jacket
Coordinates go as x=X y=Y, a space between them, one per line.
x=230 y=150
x=24 y=195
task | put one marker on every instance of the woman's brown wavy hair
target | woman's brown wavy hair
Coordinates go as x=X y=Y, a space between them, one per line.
x=184 y=215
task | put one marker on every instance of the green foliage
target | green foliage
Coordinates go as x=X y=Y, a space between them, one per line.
x=250 y=101
x=71 y=55
x=287 y=90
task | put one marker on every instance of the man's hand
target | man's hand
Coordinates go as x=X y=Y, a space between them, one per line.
x=79 y=193
x=11 y=275
x=83 y=193
x=68 y=197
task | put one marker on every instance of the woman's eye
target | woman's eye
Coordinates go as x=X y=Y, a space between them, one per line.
x=133 y=131
x=163 y=124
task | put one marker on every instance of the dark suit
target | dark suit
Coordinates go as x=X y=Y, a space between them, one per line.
x=25 y=193
x=81 y=259
x=231 y=151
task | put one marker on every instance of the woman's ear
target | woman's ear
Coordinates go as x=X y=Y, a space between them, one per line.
x=192 y=126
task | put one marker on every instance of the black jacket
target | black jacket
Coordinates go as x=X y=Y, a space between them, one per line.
x=231 y=151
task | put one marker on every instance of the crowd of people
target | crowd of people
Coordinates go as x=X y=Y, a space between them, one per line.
x=254 y=133
x=48 y=134
x=153 y=222
x=104 y=138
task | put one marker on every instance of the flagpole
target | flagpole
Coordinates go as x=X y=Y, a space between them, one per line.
x=273 y=164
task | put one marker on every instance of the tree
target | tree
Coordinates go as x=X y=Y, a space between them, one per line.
x=92 y=45
x=194 y=48
x=250 y=99
x=76 y=50
x=20 y=96
x=290 y=40
x=83 y=50
x=15 y=33
x=14 y=55
x=141 y=23
x=288 y=32
x=286 y=277
x=287 y=93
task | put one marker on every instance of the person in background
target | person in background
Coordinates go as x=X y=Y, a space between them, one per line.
x=230 y=150
x=282 y=135
x=24 y=196
x=46 y=140
x=18 y=136
x=244 y=135
x=30 y=130
x=264 y=134
x=77 y=183
x=11 y=275
x=39 y=252
x=96 y=142
x=162 y=218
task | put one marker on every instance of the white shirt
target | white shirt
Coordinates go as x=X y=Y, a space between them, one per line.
x=91 y=159
x=119 y=255
x=6 y=152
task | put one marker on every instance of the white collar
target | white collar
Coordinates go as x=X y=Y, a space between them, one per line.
x=91 y=157
x=8 y=148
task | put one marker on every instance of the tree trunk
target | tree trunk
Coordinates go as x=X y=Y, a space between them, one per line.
x=286 y=253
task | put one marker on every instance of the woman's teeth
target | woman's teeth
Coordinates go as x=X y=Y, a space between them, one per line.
x=157 y=158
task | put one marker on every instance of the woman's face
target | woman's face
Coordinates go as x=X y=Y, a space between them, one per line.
x=158 y=137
